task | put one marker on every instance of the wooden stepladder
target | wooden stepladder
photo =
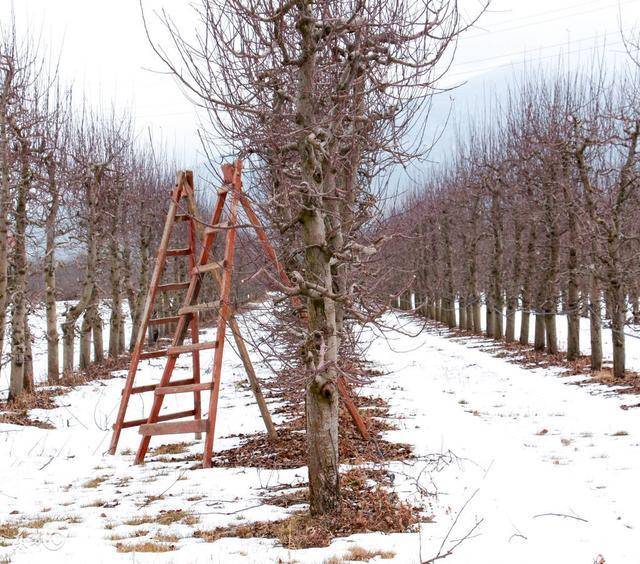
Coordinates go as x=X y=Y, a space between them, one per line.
x=200 y=265
x=187 y=317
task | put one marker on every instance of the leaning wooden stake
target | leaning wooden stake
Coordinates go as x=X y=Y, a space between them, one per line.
x=343 y=388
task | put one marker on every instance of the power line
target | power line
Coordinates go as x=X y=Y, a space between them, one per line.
x=549 y=20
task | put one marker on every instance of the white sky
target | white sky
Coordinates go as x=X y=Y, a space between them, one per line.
x=105 y=51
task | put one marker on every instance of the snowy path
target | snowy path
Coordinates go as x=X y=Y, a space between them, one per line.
x=446 y=394
x=490 y=412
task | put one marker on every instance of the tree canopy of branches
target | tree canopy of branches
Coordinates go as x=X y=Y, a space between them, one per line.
x=321 y=96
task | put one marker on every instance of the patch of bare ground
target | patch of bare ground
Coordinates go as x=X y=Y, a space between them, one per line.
x=289 y=450
x=16 y=411
x=366 y=507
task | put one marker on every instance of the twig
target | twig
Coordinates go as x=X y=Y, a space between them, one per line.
x=561 y=515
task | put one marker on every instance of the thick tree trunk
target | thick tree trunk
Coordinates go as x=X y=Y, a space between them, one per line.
x=5 y=199
x=595 y=324
x=85 y=340
x=321 y=400
x=115 y=322
x=321 y=393
x=462 y=312
x=573 y=307
x=53 y=339
x=489 y=317
x=539 y=340
x=19 y=378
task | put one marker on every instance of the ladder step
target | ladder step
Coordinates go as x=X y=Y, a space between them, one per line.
x=196 y=308
x=171 y=389
x=153 y=354
x=163 y=320
x=178 y=252
x=151 y=387
x=182 y=217
x=167 y=417
x=202 y=268
x=175 y=351
x=174 y=427
x=216 y=227
x=173 y=286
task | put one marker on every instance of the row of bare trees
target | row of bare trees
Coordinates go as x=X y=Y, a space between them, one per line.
x=538 y=213
x=77 y=190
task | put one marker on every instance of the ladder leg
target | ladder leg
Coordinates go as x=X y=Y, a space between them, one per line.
x=225 y=312
x=253 y=379
x=197 y=395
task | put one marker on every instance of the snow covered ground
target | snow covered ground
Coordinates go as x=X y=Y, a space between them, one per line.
x=545 y=471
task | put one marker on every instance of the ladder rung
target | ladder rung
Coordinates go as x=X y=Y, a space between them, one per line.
x=174 y=427
x=173 y=286
x=199 y=387
x=163 y=320
x=167 y=417
x=216 y=227
x=151 y=387
x=178 y=252
x=202 y=268
x=174 y=351
x=153 y=354
x=182 y=217
x=208 y=306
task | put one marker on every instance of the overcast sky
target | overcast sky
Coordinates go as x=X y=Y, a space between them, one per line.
x=105 y=53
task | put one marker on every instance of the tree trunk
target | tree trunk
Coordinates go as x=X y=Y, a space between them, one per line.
x=462 y=312
x=595 y=324
x=489 y=316
x=53 y=339
x=85 y=340
x=19 y=378
x=573 y=307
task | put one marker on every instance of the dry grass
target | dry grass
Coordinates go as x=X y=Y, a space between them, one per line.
x=360 y=554
x=165 y=518
x=95 y=482
x=36 y=522
x=175 y=448
x=8 y=531
x=133 y=535
x=147 y=546
x=162 y=537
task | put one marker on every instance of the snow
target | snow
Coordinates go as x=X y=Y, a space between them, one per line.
x=473 y=419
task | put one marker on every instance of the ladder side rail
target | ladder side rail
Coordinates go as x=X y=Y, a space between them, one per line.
x=191 y=229
x=225 y=310
x=146 y=314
